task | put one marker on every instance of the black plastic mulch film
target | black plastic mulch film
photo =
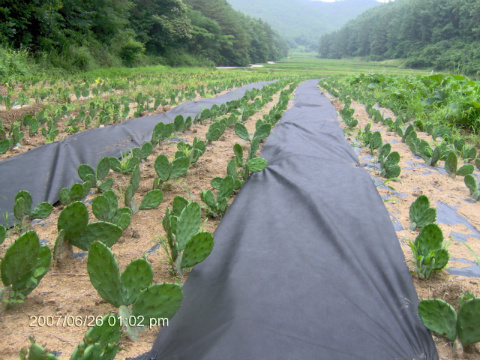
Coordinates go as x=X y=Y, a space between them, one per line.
x=44 y=171
x=306 y=263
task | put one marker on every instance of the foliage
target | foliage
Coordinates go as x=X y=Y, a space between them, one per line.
x=421 y=214
x=429 y=33
x=24 y=264
x=440 y=317
x=429 y=251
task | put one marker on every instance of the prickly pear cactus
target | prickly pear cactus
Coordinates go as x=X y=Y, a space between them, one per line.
x=421 y=214
x=151 y=200
x=468 y=325
x=158 y=301
x=197 y=249
x=73 y=219
x=465 y=170
x=3 y=234
x=25 y=263
x=179 y=167
x=104 y=273
x=257 y=164
x=451 y=163
x=188 y=224
x=163 y=168
x=438 y=316
x=390 y=168
x=137 y=276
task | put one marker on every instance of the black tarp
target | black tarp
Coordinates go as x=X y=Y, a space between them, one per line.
x=45 y=170
x=306 y=263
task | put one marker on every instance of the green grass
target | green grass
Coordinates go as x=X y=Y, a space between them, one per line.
x=307 y=65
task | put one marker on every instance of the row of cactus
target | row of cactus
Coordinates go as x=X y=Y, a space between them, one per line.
x=463 y=327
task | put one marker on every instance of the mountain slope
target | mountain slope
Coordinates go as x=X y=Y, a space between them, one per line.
x=302 y=22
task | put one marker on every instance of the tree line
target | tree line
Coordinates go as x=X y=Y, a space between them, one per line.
x=83 y=34
x=443 y=34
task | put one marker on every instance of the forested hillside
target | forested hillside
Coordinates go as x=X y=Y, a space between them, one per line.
x=443 y=34
x=301 y=22
x=84 y=34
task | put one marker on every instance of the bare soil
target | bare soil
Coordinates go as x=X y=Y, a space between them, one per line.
x=415 y=180
x=65 y=293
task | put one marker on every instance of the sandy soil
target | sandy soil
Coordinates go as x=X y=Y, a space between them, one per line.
x=65 y=293
x=447 y=195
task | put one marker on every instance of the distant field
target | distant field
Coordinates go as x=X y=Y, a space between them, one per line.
x=308 y=65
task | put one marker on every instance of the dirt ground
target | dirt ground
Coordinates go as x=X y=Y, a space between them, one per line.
x=65 y=293
x=443 y=191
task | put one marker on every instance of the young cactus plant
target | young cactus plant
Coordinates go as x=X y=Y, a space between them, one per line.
x=74 y=230
x=25 y=263
x=97 y=178
x=430 y=252
x=185 y=244
x=101 y=342
x=390 y=167
x=22 y=209
x=472 y=186
x=167 y=170
x=151 y=200
x=251 y=164
x=218 y=206
x=440 y=317
x=77 y=192
x=105 y=208
x=192 y=152
x=421 y=214
x=134 y=288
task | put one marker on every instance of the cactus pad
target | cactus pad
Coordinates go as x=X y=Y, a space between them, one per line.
x=188 y=224
x=106 y=232
x=421 y=214
x=438 y=316
x=137 y=276
x=197 y=249
x=104 y=273
x=41 y=211
x=257 y=164
x=151 y=200
x=158 y=301
x=468 y=324
x=73 y=219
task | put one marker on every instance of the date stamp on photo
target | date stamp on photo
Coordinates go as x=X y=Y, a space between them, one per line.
x=91 y=320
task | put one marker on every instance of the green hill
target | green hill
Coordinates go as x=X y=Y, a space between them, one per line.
x=302 y=22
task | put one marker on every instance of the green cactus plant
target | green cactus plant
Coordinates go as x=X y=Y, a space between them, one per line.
x=252 y=163
x=375 y=141
x=143 y=152
x=24 y=264
x=161 y=132
x=430 y=252
x=74 y=230
x=101 y=342
x=97 y=178
x=105 y=208
x=151 y=200
x=463 y=328
x=22 y=209
x=192 y=152
x=77 y=192
x=465 y=170
x=451 y=163
x=472 y=186
x=185 y=245
x=217 y=206
x=167 y=170
x=132 y=288
x=421 y=214
x=390 y=167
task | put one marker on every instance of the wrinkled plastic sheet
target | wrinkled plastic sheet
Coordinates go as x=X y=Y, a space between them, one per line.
x=45 y=170
x=306 y=263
